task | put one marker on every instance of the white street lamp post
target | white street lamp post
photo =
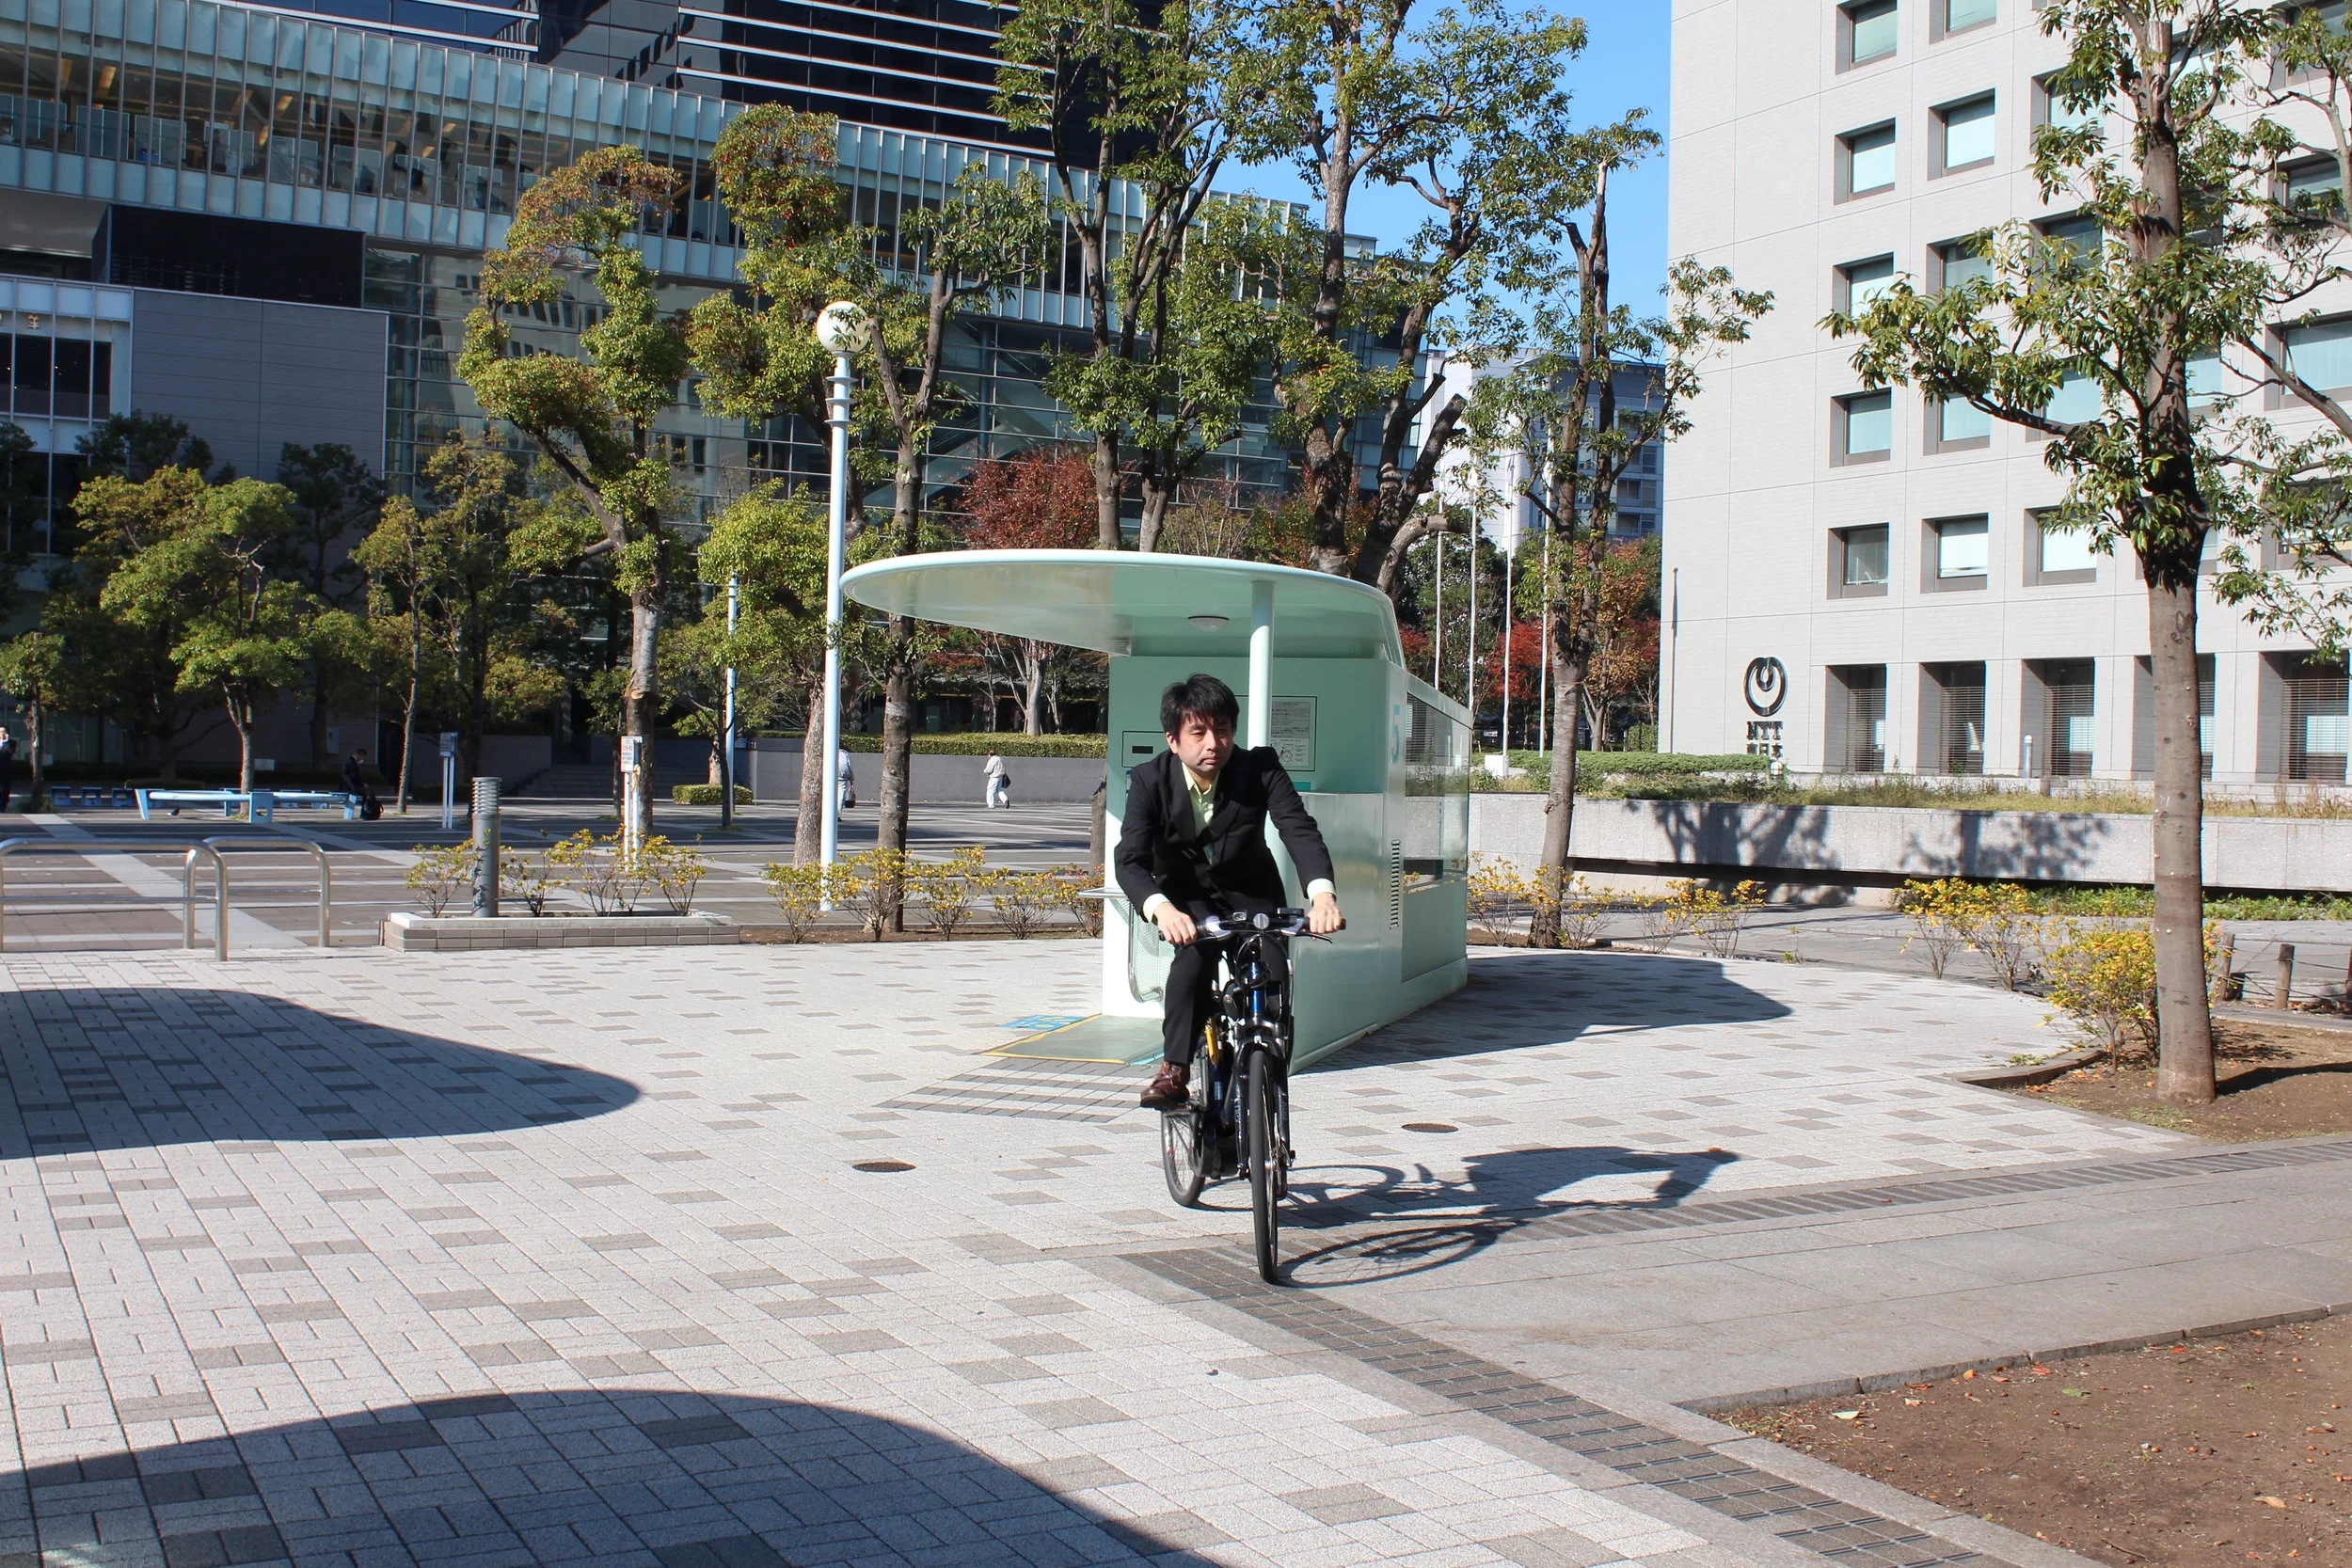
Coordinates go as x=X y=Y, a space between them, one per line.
x=726 y=726
x=840 y=327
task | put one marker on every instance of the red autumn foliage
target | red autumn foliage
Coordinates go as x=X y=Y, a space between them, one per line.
x=1039 y=500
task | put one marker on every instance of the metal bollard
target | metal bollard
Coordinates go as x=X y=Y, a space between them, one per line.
x=2286 y=977
x=485 y=845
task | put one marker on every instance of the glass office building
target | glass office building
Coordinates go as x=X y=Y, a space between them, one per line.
x=179 y=148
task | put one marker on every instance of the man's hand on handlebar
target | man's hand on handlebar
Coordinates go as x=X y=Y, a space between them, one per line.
x=1322 y=915
x=1176 y=927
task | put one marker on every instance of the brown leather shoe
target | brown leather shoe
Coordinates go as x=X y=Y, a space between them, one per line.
x=1169 y=1089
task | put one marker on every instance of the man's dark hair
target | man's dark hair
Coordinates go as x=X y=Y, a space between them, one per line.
x=1203 y=697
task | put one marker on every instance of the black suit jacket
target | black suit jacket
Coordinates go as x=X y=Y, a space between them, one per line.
x=1228 y=866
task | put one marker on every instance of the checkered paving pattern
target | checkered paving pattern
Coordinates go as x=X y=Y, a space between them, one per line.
x=565 y=1257
x=1798 y=1514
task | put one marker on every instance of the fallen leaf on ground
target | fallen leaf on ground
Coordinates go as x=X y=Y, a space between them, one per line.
x=2275 y=1502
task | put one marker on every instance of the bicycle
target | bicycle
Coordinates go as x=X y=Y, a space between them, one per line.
x=1237 y=1121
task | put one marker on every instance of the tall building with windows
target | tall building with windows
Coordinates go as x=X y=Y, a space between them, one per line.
x=1860 y=581
x=268 y=221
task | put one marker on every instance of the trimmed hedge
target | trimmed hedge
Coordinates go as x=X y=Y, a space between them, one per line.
x=708 y=794
x=1668 y=765
x=980 y=743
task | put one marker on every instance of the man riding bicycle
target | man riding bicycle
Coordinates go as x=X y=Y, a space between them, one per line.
x=1193 y=844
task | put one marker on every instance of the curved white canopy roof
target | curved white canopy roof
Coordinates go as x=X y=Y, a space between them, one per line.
x=1117 y=602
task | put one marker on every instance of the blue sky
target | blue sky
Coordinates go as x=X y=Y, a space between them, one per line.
x=1624 y=67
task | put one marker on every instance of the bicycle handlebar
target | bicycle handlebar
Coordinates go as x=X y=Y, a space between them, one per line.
x=1287 y=923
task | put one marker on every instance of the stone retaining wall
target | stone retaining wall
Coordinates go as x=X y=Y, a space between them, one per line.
x=405 y=932
x=1879 y=845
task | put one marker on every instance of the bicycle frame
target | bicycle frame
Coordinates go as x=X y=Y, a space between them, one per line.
x=1255 y=1015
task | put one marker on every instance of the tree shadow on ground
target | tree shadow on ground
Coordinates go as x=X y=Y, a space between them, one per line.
x=1523 y=999
x=1498 y=1195
x=135 y=1067
x=682 y=1480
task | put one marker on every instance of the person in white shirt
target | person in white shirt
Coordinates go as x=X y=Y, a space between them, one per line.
x=997 y=790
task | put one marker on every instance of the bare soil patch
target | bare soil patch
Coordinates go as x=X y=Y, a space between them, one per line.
x=2194 y=1454
x=2276 y=1082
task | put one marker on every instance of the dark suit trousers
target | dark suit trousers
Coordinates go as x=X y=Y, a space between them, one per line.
x=1190 y=997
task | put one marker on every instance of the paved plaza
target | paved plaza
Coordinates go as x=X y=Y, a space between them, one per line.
x=361 y=1257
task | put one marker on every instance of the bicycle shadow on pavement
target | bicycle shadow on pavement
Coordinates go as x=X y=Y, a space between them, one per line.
x=679 y=1478
x=1518 y=999
x=141 y=1067
x=1499 y=1195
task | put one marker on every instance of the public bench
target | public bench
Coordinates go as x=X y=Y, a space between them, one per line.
x=260 y=805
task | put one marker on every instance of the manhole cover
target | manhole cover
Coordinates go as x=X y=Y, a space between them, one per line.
x=1431 y=1127
x=882 y=1164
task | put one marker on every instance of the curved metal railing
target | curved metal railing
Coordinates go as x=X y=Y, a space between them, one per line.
x=207 y=848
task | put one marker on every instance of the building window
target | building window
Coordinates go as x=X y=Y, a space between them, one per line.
x=1958 y=556
x=1955 y=424
x=2076 y=400
x=1964 y=133
x=1857 y=561
x=1866 y=32
x=1865 y=427
x=2080 y=232
x=2061 y=717
x=2319 y=719
x=2059 y=554
x=1860 y=283
x=1866 y=161
x=1955 y=730
x=1958 y=262
x=1857 y=714
x=1957 y=16
x=2050 y=109
x=2321 y=353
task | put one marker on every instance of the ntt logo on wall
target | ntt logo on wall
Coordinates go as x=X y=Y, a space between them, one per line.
x=1766 y=687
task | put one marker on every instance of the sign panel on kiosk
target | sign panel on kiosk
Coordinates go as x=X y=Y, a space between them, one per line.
x=1382 y=758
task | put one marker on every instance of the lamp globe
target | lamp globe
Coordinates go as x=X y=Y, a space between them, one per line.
x=841 y=326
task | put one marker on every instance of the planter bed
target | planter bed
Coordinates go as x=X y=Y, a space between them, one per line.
x=406 y=932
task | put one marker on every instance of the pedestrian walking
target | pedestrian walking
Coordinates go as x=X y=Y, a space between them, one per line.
x=846 y=776
x=997 y=784
x=8 y=767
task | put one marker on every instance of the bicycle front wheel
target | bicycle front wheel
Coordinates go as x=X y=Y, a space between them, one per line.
x=1187 y=1144
x=1267 y=1158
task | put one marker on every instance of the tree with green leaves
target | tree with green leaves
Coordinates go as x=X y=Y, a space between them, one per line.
x=771 y=544
x=1139 y=111
x=912 y=287
x=403 y=566
x=34 y=670
x=336 y=498
x=592 y=418
x=1466 y=110
x=243 y=634
x=129 y=664
x=1558 y=405
x=2158 y=160
x=137 y=446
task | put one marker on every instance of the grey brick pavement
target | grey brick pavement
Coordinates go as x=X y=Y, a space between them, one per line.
x=561 y=1257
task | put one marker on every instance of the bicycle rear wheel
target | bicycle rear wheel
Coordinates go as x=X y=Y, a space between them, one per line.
x=1188 y=1145
x=1267 y=1178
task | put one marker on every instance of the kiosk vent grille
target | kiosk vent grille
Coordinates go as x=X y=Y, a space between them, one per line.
x=1396 y=884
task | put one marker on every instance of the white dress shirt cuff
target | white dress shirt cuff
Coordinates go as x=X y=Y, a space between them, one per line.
x=1153 y=903
x=1320 y=885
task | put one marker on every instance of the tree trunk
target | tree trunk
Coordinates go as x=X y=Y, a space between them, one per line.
x=241 y=716
x=898 y=750
x=640 y=706
x=318 y=715
x=1033 y=721
x=2185 y=1072
x=36 y=801
x=1551 y=864
x=1106 y=466
x=808 y=826
x=407 y=748
x=1157 y=495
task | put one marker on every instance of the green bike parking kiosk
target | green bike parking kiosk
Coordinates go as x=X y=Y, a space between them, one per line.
x=1382 y=758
